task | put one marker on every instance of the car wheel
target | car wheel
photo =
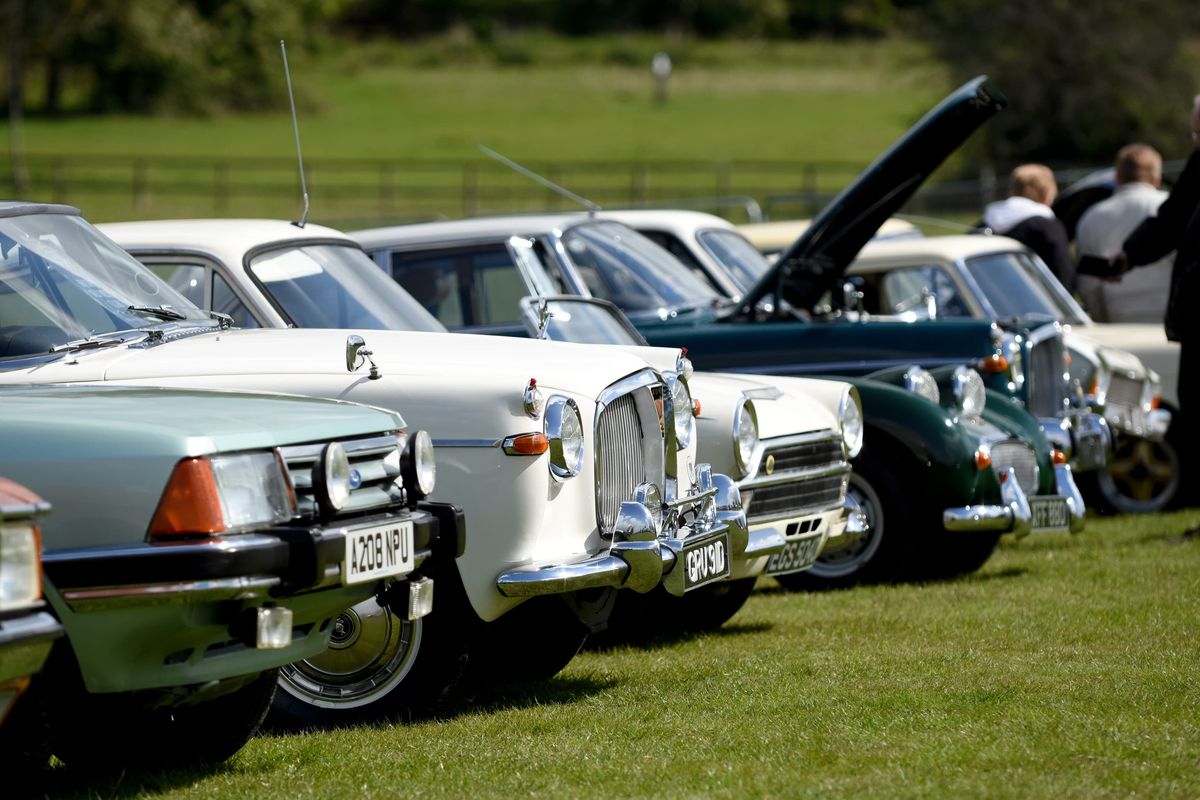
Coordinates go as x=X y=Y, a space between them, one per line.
x=1142 y=477
x=952 y=554
x=883 y=550
x=534 y=641
x=378 y=665
x=710 y=607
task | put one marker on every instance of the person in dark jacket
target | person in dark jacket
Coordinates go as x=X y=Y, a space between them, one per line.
x=1026 y=216
x=1176 y=226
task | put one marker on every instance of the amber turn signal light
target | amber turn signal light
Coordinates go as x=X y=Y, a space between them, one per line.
x=191 y=503
x=1057 y=456
x=526 y=444
x=983 y=459
x=994 y=363
x=695 y=407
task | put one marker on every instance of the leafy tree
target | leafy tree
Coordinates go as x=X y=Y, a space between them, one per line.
x=1083 y=78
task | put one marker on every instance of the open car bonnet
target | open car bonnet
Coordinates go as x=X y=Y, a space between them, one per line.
x=816 y=261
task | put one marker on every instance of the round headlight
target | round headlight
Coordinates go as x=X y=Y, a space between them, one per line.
x=681 y=405
x=564 y=431
x=851 y=419
x=921 y=382
x=745 y=436
x=418 y=467
x=333 y=477
x=969 y=393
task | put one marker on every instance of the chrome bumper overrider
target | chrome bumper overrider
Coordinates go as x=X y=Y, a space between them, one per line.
x=639 y=558
x=1084 y=436
x=1013 y=514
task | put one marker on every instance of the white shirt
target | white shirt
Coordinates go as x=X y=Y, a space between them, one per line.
x=1141 y=294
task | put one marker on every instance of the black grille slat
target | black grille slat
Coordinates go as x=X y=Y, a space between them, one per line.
x=794 y=498
x=806 y=455
x=621 y=460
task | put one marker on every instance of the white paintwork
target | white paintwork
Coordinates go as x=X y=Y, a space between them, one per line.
x=773 y=237
x=1148 y=342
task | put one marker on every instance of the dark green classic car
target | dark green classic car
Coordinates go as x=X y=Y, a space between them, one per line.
x=941 y=448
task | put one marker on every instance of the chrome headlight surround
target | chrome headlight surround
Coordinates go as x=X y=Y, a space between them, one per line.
x=418 y=468
x=920 y=381
x=682 y=418
x=1014 y=351
x=850 y=420
x=564 y=431
x=970 y=395
x=254 y=489
x=745 y=435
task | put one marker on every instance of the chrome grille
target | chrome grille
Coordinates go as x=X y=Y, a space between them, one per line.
x=1046 y=382
x=1022 y=460
x=805 y=455
x=376 y=459
x=1124 y=391
x=620 y=462
x=807 y=474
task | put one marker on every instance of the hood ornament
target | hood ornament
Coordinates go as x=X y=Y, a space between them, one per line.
x=357 y=353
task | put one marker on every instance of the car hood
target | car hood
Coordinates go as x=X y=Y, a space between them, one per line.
x=584 y=369
x=782 y=406
x=814 y=263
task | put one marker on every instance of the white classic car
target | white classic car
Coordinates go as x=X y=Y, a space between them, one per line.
x=802 y=504
x=563 y=508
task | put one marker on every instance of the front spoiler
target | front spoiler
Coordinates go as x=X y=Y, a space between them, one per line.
x=1013 y=514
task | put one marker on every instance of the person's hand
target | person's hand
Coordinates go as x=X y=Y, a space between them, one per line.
x=1119 y=264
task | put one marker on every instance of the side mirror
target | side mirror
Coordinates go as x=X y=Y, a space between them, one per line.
x=852 y=294
x=356 y=353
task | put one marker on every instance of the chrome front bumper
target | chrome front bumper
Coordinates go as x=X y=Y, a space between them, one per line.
x=1013 y=514
x=640 y=558
x=1083 y=435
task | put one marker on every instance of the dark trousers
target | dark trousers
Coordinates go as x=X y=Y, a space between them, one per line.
x=1187 y=426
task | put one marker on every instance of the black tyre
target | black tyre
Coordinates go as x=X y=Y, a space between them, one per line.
x=883 y=552
x=948 y=555
x=379 y=666
x=534 y=641
x=638 y=619
x=1142 y=477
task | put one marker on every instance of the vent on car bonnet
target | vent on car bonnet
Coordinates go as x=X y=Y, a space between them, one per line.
x=1023 y=461
x=374 y=466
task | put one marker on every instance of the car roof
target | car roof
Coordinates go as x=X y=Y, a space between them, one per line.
x=679 y=220
x=466 y=229
x=946 y=247
x=227 y=238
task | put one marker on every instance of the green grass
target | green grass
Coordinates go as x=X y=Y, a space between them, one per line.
x=1066 y=668
x=574 y=101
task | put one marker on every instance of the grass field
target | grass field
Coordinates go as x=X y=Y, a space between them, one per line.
x=535 y=98
x=1067 y=668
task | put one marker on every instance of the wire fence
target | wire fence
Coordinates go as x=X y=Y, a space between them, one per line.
x=351 y=191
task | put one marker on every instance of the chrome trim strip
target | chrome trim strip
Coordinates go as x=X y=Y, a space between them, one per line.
x=247 y=588
x=763 y=393
x=353 y=447
x=841 y=468
x=644 y=377
x=468 y=442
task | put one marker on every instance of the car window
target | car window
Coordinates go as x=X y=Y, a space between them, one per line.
x=1010 y=283
x=739 y=258
x=907 y=291
x=226 y=301
x=464 y=286
x=187 y=279
x=670 y=242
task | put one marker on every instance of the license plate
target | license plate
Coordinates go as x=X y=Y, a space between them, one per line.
x=378 y=552
x=705 y=562
x=795 y=556
x=1049 y=513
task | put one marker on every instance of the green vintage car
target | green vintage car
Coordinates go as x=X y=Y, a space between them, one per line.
x=199 y=542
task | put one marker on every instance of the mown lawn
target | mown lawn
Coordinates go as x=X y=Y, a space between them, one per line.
x=1066 y=668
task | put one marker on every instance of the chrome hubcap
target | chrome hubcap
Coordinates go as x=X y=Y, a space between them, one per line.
x=856 y=549
x=1142 y=475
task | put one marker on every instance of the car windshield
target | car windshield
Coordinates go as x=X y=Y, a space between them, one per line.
x=620 y=265
x=62 y=281
x=741 y=261
x=1014 y=287
x=579 y=321
x=335 y=286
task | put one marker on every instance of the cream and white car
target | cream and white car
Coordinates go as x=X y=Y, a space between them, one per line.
x=559 y=453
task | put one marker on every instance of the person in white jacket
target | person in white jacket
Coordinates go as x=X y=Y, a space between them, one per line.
x=1025 y=215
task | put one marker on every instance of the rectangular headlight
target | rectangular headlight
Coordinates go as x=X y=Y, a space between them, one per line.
x=253 y=490
x=20 y=573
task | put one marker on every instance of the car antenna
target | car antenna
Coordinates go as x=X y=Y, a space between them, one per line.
x=296 y=130
x=591 y=207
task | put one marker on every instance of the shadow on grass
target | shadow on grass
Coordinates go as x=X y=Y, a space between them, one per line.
x=660 y=640
x=63 y=781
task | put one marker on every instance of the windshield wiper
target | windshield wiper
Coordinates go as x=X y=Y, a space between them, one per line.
x=90 y=343
x=162 y=312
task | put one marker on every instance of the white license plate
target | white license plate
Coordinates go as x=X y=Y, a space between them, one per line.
x=378 y=552
x=795 y=556
x=705 y=563
x=1049 y=513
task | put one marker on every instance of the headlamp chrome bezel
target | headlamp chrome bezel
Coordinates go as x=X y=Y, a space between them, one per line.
x=682 y=418
x=559 y=412
x=850 y=408
x=418 y=467
x=920 y=382
x=970 y=394
x=744 y=461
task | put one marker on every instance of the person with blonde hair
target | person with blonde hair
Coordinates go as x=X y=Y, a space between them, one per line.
x=1139 y=296
x=1025 y=215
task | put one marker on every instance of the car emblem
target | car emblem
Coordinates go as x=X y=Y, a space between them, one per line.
x=355 y=479
x=770 y=464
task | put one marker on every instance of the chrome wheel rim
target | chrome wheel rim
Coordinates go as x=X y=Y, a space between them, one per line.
x=371 y=651
x=1142 y=476
x=859 y=549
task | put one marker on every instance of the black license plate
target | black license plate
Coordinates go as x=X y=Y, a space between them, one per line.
x=795 y=556
x=705 y=562
x=1050 y=513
